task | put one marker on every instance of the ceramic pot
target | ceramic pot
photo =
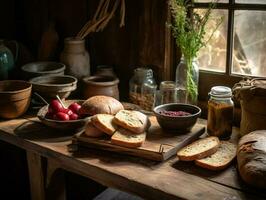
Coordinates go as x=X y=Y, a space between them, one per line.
x=105 y=70
x=76 y=58
x=100 y=85
x=7 y=61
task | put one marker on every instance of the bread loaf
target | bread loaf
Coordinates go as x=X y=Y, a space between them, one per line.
x=220 y=159
x=100 y=105
x=199 y=149
x=134 y=121
x=251 y=158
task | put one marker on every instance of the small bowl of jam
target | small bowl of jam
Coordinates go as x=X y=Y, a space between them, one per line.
x=177 y=117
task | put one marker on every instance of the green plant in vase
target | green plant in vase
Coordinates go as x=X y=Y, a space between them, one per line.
x=189 y=28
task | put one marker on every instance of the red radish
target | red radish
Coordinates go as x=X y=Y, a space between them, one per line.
x=55 y=106
x=74 y=116
x=67 y=111
x=74 y=107
x=62 y=116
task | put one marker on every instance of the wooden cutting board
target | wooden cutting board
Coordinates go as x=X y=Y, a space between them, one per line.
x=159 y=145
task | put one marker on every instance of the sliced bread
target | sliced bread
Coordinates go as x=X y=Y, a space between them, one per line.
x=199 y=149
x=134 y=121
x=104 y=122
x=126 y=138
x=221 y=159
x=92 y=131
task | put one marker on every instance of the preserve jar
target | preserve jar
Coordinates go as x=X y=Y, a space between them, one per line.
x=220 y=112
x=142 y=88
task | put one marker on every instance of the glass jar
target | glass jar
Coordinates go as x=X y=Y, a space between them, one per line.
x=220 y=112
x=168 y=93
x=142 y=88
x=187 y=83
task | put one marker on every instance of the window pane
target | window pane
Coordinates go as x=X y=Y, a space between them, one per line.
x=209 y=1
x=251 y=1
x=250 y=43
x=213 y=56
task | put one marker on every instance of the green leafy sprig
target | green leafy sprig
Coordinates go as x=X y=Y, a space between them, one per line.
x=189 y=28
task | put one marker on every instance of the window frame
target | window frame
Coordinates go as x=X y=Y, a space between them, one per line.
x=207 y=79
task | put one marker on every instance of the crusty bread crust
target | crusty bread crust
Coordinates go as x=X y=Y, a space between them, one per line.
x=216 y=166
x=200 y=154
x=109 y=128
x=251 y=158
x=118 y=138
x=141 y=121
x=100 y=105
x=92 y=131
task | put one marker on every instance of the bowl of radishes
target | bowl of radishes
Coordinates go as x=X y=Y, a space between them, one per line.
x=63 y=115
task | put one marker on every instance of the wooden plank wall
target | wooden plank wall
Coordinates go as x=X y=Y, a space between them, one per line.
x=140 y=43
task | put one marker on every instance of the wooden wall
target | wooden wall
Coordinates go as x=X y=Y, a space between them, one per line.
x=142 y=42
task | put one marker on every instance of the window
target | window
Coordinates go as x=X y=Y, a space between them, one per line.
x=238 y=47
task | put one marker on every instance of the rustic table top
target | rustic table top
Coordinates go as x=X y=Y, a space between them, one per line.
x=171 y=179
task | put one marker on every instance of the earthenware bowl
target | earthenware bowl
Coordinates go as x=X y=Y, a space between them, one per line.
x=15 y=98
x=36 y=69
x=177 y=123
x=51 y=85
x=70 y=125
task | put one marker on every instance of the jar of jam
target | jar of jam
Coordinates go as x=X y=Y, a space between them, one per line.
x=220 y=112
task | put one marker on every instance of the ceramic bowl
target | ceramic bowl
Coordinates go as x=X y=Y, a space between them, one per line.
x=62 y=125
x=177 y=123
x=51 y=85
x=36 y=69
x=15 y=98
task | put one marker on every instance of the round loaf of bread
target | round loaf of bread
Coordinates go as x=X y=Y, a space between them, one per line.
x=251 y=158
x=100 y=105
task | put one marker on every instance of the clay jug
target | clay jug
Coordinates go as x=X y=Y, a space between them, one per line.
x=7 y=60
x=76 y=57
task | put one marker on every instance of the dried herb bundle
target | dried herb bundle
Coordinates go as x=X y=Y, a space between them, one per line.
x=104 y=13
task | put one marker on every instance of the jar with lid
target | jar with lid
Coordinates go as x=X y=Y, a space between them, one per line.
x=142 y=88
x=220 y=112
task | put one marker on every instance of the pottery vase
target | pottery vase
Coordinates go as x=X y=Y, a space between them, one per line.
x=76 y=58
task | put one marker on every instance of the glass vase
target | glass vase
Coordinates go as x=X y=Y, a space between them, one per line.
x=187 y=80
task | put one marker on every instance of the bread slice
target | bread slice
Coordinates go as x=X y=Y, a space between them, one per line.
x=221 y=159
x=199 y=149
x=126 y=138
x=92 y=131
x=134 y=121
x=104 y=122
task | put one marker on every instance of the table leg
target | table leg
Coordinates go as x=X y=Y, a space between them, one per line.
x=36 y=176
x=55 y=181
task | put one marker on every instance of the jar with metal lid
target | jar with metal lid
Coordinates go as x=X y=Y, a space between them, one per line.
x=220 y=112
x=142 y=88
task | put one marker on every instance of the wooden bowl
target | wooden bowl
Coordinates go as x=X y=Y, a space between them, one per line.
x=178 y=123
x=63 y=125
x=15 y=98
x=36 y=69
x=51 y=85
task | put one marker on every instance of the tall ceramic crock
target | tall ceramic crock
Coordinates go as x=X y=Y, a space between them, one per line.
x=76 y=57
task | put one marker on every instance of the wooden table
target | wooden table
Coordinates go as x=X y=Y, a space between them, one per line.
x=151 y=180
